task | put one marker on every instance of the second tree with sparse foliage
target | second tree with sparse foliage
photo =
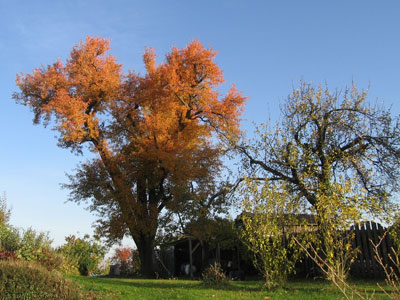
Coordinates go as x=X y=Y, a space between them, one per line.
x=338 y=158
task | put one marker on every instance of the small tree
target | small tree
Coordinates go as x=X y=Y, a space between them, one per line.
x=9 y=236
x=335 y=212
x=337 y=153
x=5 y=212
x=269 y=218
x=128 y=260
x=83 y=254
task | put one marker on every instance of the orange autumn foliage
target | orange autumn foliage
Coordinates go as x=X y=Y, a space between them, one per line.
x=153 y=133
x=122 y=254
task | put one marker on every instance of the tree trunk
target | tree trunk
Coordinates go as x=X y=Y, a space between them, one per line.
x=145 y=246
x=205 y=258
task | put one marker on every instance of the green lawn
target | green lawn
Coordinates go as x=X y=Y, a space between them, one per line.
x=143 y=289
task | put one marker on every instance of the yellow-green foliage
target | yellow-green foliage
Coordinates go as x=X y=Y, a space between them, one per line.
x=337 y=153
x=336 y=209
x=27 y=281
x=28 y=245
x=269 y=218
x=5 y=212
x=81 y=254
x=395 y=232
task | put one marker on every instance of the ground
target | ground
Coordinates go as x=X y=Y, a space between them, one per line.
x=143 y=289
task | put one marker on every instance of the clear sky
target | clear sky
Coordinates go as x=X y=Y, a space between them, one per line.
x=265 y=48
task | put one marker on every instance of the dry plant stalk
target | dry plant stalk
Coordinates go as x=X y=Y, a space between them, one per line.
x=348 y=291
x=391 y=273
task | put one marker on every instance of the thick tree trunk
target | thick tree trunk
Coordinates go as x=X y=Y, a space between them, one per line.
x=145 y=246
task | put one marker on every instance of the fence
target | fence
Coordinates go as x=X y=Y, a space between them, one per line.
x=365 y=236
x=365 y=265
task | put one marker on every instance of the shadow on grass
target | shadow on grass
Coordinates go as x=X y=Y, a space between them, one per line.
x=179 y=284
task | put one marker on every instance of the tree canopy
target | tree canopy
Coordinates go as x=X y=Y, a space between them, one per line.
x=325 y=138
x=155 y=135
x=332 y=155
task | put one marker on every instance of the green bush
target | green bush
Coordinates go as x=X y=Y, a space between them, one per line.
x=82 y=254
x=9 y=238
x=50 y=259
x=21 y=280
x=32 y=244
x=214 y=275
x=5 y=212
x=29 y=245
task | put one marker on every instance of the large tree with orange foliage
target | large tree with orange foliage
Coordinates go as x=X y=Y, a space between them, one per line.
x=155 y=136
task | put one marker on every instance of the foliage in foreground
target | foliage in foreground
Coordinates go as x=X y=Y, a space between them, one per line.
x=82 y=255
x=268 y=220
x=27 y=245
x=391 y=268
x=21 y=280
x=214 y=275
x=77 y=255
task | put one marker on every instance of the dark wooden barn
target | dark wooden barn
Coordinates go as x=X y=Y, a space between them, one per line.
x=189 y=257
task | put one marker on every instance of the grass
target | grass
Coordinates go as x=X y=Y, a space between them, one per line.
x=103 y=288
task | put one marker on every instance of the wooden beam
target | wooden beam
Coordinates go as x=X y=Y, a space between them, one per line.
x=195 y=247
x=190 y=258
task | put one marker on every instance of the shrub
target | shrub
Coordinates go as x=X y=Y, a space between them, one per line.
x=21 y=280
x=7 y=255
x=214 y=275
x=83 y=254
x=128 y=260
x=50 y=259
x=32 y=244
x=9 y=238
x=103 y=268
x=265 y=227
x=70 y=264
x=122 y=257
x=27 y=245
x=5 y=212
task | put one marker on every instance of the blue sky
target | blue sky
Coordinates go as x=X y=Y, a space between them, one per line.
x=265 y=48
